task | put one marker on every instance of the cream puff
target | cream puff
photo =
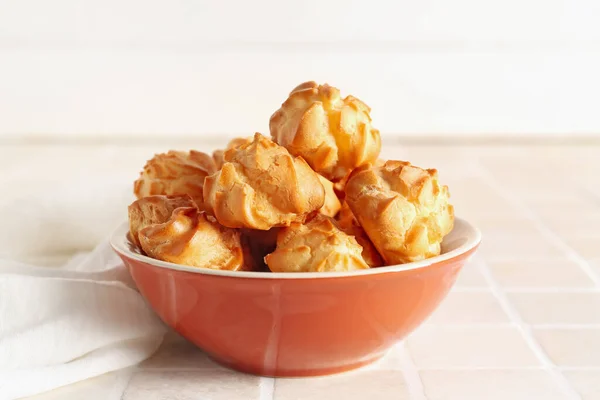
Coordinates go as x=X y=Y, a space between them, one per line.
x=191 y=237
x=261 y=186
x=348 y=223
x=333 y=134
x=403 y=209
x=317 y=246
x=175 y=173
x=152 y=210
x=236 y=142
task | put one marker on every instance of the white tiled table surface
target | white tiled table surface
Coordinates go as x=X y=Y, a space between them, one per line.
x=523 y=321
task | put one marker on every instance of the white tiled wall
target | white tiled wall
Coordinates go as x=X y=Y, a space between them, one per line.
x=222 y=67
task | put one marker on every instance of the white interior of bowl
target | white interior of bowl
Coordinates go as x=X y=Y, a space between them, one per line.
x=463 y=238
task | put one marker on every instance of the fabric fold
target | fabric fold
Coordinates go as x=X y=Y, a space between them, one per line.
x=62 y=325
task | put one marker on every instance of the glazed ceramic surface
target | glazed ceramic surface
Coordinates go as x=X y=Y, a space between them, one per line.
x=297 y=324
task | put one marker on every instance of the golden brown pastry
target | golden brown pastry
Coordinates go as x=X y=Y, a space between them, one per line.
x=261 y=186
x=192 y=238
x=175 y=172
x=348 y=223
x=332 y=204
x=318 y=246
x=403 y=209
x=154 y=210
x=236 y=142
x=333 y=134
x=340 y=185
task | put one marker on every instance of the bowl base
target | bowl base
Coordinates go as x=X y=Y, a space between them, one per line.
x=293 y=373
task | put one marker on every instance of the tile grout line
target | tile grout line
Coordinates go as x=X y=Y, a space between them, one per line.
x=501 y=325
x=524 y=257
x=467 y=289
x=537 y=368
x=411 y=375
x=566 y=326
x=577 y=368
x=266 y=387
x=527 y=289
x=454 y=368
x=134 y=369
x=412 y=367
x=181 y=369
x=552 y=290
x=528 y=336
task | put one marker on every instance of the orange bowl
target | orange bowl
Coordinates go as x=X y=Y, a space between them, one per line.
x=297 y=324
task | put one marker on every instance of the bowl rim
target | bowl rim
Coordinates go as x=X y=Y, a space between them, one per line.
x=120 y=243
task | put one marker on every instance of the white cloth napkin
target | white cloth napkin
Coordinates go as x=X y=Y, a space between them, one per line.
x=62 y=325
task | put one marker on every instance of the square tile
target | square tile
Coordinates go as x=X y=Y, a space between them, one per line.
x=503 y=222
x=558 y=200
x=468 y=200
x=490 y=385
x=493 y=222
x=518 y=246
x=547 y=211
x=217 y=384
x=469 y=308
x=555 y=273
x=486 y=218
x=586 y=246
x=571 y=347
x=470 y=276
x=493 y=347
x=525 y=228
x=574 y=215
x=572 y=222
x=394 y=359
x=355 y=385
x=573 y=229
x=519 y=187
x=177 y=353
x=469 y=191
x=595 y=264
x=587 y=383
x=557 y=308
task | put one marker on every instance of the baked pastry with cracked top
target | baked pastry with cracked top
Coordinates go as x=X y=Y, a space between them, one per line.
x=403 y=209
x=261 y=186
x=152 y=210
x=348 y=223
x=219 y=154
x=175 y=173
x=191 y=237
x=333 y=134
x=317 y=246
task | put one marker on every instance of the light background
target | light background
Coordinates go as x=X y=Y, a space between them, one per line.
x=155 y=68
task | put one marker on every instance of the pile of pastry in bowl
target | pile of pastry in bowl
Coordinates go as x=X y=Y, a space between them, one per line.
x=312 y=197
